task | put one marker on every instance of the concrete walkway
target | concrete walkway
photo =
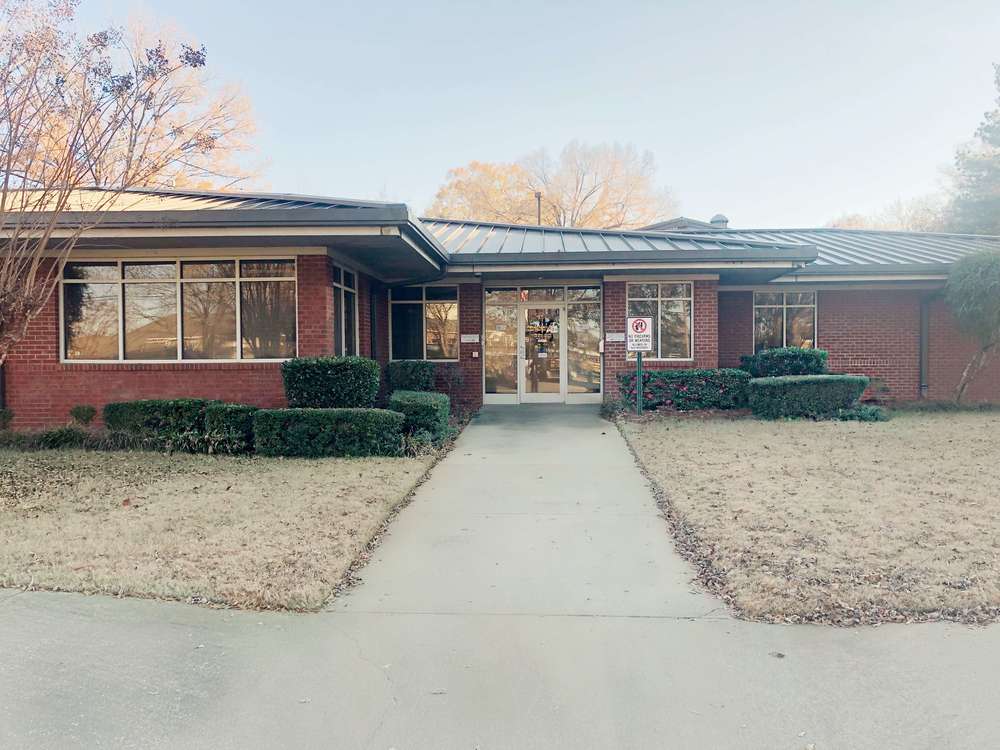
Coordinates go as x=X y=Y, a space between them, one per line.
x=528 y=598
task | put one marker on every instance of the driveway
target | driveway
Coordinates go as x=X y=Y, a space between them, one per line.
x=528 y=598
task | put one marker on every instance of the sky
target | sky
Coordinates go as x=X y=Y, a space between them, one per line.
x=777 y=114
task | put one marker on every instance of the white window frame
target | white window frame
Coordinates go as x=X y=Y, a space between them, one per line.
x=784 y=314
x=121 y=282
x=339 y=287
x=423 y=320
x=659 y=299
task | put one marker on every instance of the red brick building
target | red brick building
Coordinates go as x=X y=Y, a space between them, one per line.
x=205 y=294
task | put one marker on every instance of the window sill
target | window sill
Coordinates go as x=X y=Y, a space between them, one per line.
x=424 y=359
x=177 y=362
x=662 y=359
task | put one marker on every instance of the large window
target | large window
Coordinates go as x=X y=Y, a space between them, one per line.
x=424 y=322
x=784 y=319
x=162 y=310
x=670 y=304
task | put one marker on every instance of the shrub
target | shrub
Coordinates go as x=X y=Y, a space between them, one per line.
x=805 y=395
x=423 y=411
x=6 y=417
x=330 y=382
x=229 y=428
x=328 y=432
x=687 y=389
x=173 y=424
x=83 y=414
x=772 y=363
x=60 y=437
x=411 y=375
x=863 y=413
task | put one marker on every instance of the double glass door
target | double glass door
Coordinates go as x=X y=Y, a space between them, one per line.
x=542 y=344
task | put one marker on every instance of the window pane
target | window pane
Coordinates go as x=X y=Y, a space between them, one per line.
x=267 y=313
x=407 y=331
x=799 y=327
x=642 y=291
x=90 y=315
x=442 y=293
x=208 y=320
x=645 y=309
x=101 y=271
x=674 y=291
x=500 y=296
x=583 y=357
x=275 y=268
x=408 y=293
x=675 y=329
x=441 y=328
x=151 y=321
x=338 y=277
x=349 y=280
x=767 y=328
x=800 y=298
x=208 y=269
x=149 y=270
x=338 y=321
x=583 y=294
x=500 y=342
x=767 y=298
x=541 y=293
x=350 y=307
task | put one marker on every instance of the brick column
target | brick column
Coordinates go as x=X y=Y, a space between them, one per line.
x=470 y=321
x=315 y=308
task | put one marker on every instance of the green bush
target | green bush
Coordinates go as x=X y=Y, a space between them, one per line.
x=423 y=411
x=60 y=438
x=229 y=428
x=411 y=375
x=330 y=382
x=863 y=413
x=814 y=396
x=168 y=424
x=687 y=389
x=83 y=414
x=6 y=417
x=790 y=360
x=313 y=433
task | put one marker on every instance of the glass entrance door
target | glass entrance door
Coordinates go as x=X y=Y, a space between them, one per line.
x=542 y=371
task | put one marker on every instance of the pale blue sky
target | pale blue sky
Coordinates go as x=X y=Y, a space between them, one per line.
x=775 y=113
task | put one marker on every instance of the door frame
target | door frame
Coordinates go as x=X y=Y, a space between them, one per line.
x=564 y=396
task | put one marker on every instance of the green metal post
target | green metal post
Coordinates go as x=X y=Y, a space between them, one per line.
x=638 y=384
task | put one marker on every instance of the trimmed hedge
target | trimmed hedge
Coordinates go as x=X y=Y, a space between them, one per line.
x=313 y=433
x=411 y=375
x=330 y=382
x=789 y=360
x=805 y=395
x=229 y=428
x=171 y=424
x=687 y=389
x=6 y=417
x=423 y=411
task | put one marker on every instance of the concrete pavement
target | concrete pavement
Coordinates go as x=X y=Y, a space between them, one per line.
x=528 y=598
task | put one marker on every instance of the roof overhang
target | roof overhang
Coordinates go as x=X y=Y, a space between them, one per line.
x=901 y=273
x=383 y=242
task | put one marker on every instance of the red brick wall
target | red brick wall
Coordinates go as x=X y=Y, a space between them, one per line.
x=706 y=333
x=948 y=354
x=41 y=390
x=735 y=327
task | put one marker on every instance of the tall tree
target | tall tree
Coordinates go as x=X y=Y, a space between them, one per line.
x=923 y=214
x=976 y=205
x=973 y=293
x=78 y=113
x=604 y=186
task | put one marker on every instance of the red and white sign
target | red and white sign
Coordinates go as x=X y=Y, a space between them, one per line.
x=638 y=334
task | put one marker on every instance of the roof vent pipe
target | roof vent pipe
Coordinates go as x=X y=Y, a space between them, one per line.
x=719 y=221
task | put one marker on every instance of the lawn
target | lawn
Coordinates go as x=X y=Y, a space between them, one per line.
x=242 y=532
x=842 y=522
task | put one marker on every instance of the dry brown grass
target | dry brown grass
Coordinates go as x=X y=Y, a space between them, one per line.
x=255 y=533
x=835 y=521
